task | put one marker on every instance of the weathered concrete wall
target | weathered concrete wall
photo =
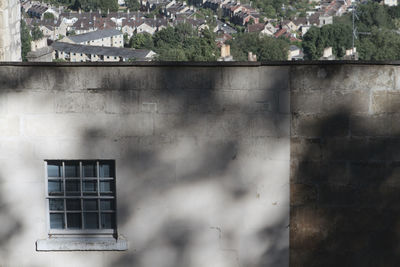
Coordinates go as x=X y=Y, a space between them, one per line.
x=10 y=40
x=202 y=160
x=345 y=182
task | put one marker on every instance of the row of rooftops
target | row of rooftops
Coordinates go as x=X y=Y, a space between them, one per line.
x=94 y=35
x=126 y=53
x=115 y=20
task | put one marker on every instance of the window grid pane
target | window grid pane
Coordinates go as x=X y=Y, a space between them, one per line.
x=81 y=194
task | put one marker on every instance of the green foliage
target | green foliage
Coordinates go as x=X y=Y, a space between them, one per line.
x=182 y=43
x=25 y=40
x=373 y=14
x=59 y=2
x=36 y=33
x=126 y=40
x=337 y=36
x=271 y=8
x=380 y=45
x=104 y=5
x=266 y=48
x=172 y=54
x=132 y=5
x=48 y=15
x=141 y=41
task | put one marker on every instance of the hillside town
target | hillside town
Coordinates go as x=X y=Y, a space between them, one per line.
x=196 y=30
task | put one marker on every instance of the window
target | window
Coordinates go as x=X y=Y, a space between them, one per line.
x=81 y=197
x=81 y=206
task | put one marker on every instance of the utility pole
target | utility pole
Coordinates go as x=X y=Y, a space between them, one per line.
x=355 y=32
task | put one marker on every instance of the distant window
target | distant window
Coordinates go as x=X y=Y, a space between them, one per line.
x=81 y=196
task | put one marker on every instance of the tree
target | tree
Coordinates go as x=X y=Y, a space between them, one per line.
x=272 y=49
x=126 y=40
x=141 y=41
x=36 y=33
x=25 y=40
x=182 y=43
x=48 y=15
x=133 y=5
x=337 y=36
x=111 y=5
x=266 y=48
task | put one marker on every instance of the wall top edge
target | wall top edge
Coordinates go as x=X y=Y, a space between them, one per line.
x=199 y=64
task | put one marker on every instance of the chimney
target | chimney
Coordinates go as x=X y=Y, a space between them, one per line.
x=251 y=57
x=79 y=11
x=127 y=11
x=108 y=11
x=226 y=50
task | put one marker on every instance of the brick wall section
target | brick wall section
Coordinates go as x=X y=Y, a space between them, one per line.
x=345 y=163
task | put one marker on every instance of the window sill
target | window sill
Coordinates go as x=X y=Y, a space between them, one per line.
x=81 y=244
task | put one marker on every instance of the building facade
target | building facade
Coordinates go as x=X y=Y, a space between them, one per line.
x=10 y=41
x=144 y=165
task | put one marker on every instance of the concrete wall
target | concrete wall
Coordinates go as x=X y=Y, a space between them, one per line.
x=345 y=182
x=10 y=40
x=202 y=160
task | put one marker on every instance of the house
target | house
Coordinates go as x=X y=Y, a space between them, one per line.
x=150 y=25
x=199 y=24
x=390 y=2
x=289 y=25
x=149 y=5
x=37 y=11
x=325 y=20
x=222 y=27
x=128 y=27
x=258 y=27
x=280 y=33
x=264 y=29
x=88 y=53
x=295 y=53
x=107 y=37
x=52 y=29
x=214 y=4
x=221 y=39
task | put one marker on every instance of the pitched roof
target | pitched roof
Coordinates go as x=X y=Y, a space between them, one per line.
x=280 y=32
x=38 y=9
x=258 y=27
x=80 y=38
x=138 y=54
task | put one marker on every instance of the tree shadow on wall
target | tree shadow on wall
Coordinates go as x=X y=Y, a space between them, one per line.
x=195 y=145
x=10 y=227
x=345 y=191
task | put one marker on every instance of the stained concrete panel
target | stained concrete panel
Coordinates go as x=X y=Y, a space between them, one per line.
x=202 y=160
